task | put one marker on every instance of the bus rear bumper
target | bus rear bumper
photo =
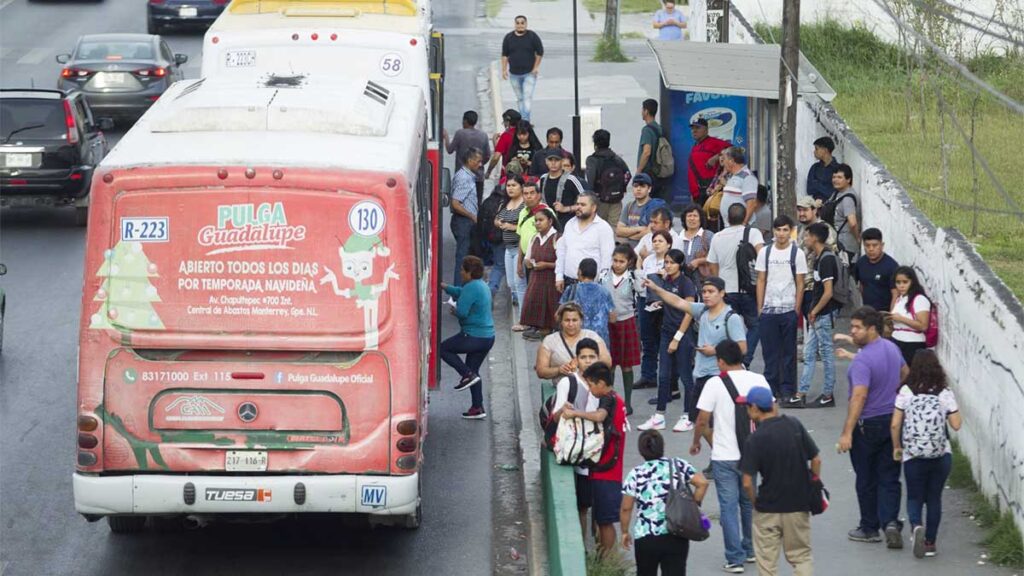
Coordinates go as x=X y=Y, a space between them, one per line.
x=171 y=494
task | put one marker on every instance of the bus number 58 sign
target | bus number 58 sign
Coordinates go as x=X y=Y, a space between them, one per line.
x=366 y=218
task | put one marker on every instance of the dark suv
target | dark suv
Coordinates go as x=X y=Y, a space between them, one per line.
x=49 y=145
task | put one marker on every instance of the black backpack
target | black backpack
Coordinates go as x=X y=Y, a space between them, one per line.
x=746 y=259
x=744 y=425
x=611 y=179
x=488 y=212
x=547 y=424
x=827 y=213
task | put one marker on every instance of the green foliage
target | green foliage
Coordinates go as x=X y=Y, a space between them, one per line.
x=612 y=564
x=628 y=6
x=1004 y=542
x=606 y=51
x=493 y=7
x=891 y=103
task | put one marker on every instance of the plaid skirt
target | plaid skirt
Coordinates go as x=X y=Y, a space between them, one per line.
x=625 y=344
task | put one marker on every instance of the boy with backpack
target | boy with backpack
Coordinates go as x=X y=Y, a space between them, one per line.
x=593 y=298
x=606 y=475
x=721 y=399
x=608 y=174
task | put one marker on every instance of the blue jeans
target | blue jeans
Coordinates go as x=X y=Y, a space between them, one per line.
x=476 y=350
x=523 y=85
x=648 y=342
x=746 y=305
x=516 y=283
x=819 y=339
x=462 y=230
x=734 y=507
x=497 y=277
x=674 y=366
x=878 y=475
x=926 y=478
x=778 y=346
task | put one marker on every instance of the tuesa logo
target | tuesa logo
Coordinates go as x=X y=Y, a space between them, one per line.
x=250 y=227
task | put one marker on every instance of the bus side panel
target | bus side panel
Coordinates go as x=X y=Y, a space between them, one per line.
x=436 y=246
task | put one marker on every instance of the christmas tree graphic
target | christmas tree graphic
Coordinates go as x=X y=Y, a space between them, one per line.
x=126 y=296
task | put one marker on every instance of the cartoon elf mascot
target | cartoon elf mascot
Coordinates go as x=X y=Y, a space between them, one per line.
x=357 y=256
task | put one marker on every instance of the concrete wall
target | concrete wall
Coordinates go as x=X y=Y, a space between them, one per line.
x=981 y=323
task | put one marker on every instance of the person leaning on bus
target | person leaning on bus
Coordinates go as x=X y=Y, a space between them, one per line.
x=476 y=332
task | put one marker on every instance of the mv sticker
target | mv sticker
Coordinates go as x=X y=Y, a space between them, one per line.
x=357 y=253
x=250 y=227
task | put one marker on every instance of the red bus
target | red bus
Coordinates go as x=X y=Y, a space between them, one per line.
x=257 y=304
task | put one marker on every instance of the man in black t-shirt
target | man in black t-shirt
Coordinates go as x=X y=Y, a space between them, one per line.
x=820 y=320
x=875 y=272
x=778 y=451
x=521 y=52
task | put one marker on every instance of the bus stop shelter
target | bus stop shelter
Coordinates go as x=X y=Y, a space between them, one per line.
x=735 y=87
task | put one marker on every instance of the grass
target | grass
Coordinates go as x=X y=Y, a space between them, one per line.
x=1002 y=537
x=897 y=116
x=627 y=7
x=611 y=565
x=632 y=35
x=606 y=51
x=492 y=7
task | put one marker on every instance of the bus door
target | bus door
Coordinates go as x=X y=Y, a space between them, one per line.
x=441 y=177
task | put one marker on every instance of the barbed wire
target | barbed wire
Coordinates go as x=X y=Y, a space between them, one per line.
x=921 y=5
x=982 y=17
x=958 y=204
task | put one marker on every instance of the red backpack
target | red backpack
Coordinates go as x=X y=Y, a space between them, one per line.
x=931 y=333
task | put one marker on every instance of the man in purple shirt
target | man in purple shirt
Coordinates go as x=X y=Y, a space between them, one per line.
x=875 y=376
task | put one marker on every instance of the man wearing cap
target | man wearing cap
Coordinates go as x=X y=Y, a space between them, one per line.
x=703 y=163
x=807 y=214
x=636 y=218
x=559 y=189
x=778 y=451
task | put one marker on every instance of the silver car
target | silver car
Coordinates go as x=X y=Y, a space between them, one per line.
x=121 y=75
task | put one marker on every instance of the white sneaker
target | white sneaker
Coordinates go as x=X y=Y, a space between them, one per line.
x=656 y=422
x=684 y=425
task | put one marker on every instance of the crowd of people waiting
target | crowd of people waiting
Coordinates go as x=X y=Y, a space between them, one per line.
x=605 y=283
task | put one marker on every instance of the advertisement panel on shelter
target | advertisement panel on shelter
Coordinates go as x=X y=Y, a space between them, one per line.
x=727 y=120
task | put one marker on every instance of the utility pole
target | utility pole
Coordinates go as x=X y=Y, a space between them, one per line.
x=789 y=66
x=576 y=85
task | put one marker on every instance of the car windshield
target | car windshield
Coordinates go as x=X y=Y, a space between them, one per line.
x=100 y=50
x=31 y=118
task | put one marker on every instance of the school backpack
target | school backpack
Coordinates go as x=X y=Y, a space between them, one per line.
x=746 y=258
x=827 y=212
x=924 y=427
x=663 y=162
x=611 y=450
x=611 y=179
x=549 y=426
x=931 y=333
x=744 y=425
x=489 y=210
x=578 y=442
x=841 y=289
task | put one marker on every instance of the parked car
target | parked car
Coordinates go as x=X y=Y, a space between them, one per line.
x=49 y=145
x=164 y=13
x=121 y=74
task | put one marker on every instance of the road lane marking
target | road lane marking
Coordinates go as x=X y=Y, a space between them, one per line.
x=34 y=56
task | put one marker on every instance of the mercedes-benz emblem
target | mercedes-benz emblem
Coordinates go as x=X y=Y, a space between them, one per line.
x=247 y=412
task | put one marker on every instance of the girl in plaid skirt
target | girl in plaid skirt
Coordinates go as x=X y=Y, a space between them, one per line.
x=622 y=283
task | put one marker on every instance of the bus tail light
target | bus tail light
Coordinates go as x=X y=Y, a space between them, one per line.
x=87 y=441
x=407 y=462
x=87 y=459
x=407 y=427
x=407 y=444
x=87 y=423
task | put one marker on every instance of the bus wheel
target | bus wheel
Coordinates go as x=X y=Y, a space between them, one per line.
x=126 y=524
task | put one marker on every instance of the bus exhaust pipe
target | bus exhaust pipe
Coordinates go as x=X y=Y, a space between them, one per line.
x=195 y=522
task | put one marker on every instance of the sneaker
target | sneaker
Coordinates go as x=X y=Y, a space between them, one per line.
x=644 y=383
x=917 y=541
x=629 y=410
x=733 y=568
x=751 y=559
x=861 y=535
x=655 y=422
x=797 y=401
x=683 y=425
x=677 y=395
x=467 y=382
x=929 y=550
x=893 y=536
x=474 y=413
x=825 y=401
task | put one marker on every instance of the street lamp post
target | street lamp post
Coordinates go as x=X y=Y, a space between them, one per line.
x=576 y=87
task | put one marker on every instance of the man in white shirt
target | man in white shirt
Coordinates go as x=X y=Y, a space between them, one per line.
x=722 y=260
x=585 y=236
x=735 y=509
x=781 y=269
x=741 y=187
x=587 y=353
x=661 y=219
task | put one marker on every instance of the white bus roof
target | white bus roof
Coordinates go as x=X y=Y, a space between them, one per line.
x=401 y=16
x=344 y=125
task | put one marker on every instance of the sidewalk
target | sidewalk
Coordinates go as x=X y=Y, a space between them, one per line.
x=556 y=16
x=619 y=89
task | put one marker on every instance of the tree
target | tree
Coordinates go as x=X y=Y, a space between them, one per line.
x=127 y=295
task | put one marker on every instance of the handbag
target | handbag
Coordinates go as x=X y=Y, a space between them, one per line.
x=682 y=514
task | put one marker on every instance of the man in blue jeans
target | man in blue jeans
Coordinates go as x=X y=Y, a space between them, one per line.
x=781 y=268
x=875 y=376
x=735 y=508
x=476 y=332
x=521 y=53
x=820 y=321
x=464 y=206
x=723 y=263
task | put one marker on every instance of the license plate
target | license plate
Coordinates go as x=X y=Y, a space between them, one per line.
x=111 y=79
x=18 y=160
x=240 y=58
x=188 y=12
x=245 y=461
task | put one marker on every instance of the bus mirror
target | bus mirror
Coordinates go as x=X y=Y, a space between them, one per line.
x=446 y=187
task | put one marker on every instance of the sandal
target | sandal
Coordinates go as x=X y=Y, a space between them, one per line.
x=518 y=328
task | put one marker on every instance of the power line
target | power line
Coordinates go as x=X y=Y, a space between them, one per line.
x=981 y=17
x=956 y=20
x=1006 y=100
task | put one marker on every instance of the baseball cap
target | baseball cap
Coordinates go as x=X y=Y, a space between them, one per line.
x=642 y=178
x=700 y=122
x=758 y=396
x=807 y=202
x=714 y=281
